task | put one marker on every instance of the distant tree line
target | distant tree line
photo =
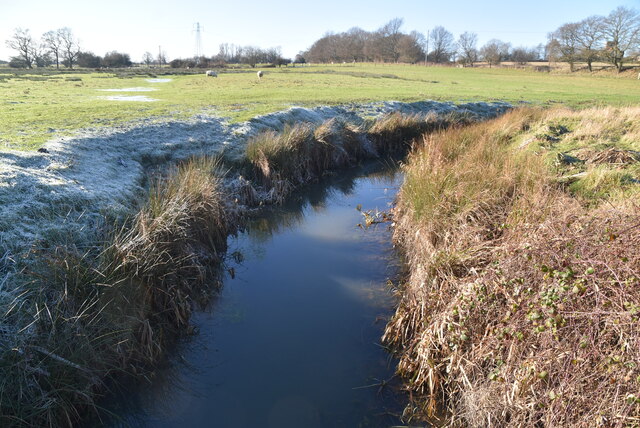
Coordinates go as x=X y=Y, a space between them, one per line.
x=58 y=47
x=390 y=44
x=614 y=38
x=232 y=54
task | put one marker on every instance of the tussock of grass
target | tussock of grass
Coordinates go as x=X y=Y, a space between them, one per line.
x=303 y=152
x=522 y=301
x=103 y=312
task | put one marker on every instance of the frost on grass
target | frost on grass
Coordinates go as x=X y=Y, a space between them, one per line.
x=136 y=89
x=63 y=196
x=138 y=98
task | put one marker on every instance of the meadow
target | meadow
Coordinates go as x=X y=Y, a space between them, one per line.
x=40 y=105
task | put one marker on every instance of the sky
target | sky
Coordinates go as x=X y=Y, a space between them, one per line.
x=135 y=27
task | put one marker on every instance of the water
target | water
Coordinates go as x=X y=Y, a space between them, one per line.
x=293 y=339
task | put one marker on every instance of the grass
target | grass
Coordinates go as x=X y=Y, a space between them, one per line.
x=90 y=314
x=303 y=152
x=522 y=297
x=37 y=107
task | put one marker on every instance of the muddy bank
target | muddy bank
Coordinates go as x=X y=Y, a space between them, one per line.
x=93 y=247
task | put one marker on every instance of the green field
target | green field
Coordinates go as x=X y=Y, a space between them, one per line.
x=40 y=105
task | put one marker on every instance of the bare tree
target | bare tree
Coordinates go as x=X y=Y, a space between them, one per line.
x=467 y=48
x=53 y=43
x=410 y=48
x=442 y=43
x=567 y=37
x=390 y=36
x=70 y=46
x=147 y=59
x=23 y=43
x=495 y=51
x=622 y=32
x=589 y=38
x=161 y=59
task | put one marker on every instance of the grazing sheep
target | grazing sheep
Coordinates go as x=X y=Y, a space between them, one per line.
x=260 y=74
x=211 y=73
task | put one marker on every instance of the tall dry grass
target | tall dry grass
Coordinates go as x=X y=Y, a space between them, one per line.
x=303 y=152
x=103 y=312
x=522 y=299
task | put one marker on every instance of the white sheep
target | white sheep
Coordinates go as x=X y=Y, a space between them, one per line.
x=260 y=74
x=211 y=73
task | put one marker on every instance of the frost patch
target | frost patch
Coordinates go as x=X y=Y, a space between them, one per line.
x=159 y=80
x=139 y=98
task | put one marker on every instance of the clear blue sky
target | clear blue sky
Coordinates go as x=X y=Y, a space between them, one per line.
x=134 y=26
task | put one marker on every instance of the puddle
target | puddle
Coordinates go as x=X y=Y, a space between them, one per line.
x=141 y=98
x=137 y=89
x=159 y=80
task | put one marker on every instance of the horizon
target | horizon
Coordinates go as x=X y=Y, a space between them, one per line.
x=280 y=23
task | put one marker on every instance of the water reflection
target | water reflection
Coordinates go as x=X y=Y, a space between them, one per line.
x=293 y=339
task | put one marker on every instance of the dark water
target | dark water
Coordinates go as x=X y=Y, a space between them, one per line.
x=293 y=340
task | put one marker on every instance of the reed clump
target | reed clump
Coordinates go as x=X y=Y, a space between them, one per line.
x=113 y=309
x=522 y=297
x=303 y=152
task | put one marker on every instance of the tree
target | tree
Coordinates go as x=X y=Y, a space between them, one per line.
x=589 y=38
x=147 y=59
x=23 y=43
x=70 y=46
x=495 y=51
x=389 y=37
x=568 y=44
x=116 y=59
x=88 y=60
x=300 y=59
x=523 y=55
x=442 y=42
x=53 y=42
x=252 y=55
x=467 y=50
x=622 y=33
x=161 y=59
x=410 y=48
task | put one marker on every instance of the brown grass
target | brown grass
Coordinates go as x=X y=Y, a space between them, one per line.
x=521 y=304
x=102 y=312
x=304 y=152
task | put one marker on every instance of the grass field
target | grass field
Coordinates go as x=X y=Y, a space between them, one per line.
x=39 y=106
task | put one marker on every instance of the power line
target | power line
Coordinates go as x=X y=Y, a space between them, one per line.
x=198 y=29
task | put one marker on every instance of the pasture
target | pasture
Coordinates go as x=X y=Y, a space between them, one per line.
x=40 y=105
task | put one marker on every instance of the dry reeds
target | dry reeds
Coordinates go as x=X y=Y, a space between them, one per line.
x=521 y=304
x=303 y=152
x=102 y=312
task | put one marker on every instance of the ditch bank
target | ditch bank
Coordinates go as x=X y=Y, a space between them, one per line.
x=521 y=303
x=106 y=245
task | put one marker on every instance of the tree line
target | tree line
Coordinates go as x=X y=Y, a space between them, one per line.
x=610 y=38
x=233 y=54
x=614 y=38
x=60 y=47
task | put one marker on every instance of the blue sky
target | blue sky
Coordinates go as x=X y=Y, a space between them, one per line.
x=137 y=26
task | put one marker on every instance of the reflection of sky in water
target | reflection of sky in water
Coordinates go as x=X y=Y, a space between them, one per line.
x=291 y=341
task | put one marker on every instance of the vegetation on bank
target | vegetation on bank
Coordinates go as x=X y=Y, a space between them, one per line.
x=41 y=105
x=522 y=301
x=303 y=152
x=90 y=314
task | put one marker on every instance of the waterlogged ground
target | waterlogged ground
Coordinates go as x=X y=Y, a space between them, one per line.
x=293 y=338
